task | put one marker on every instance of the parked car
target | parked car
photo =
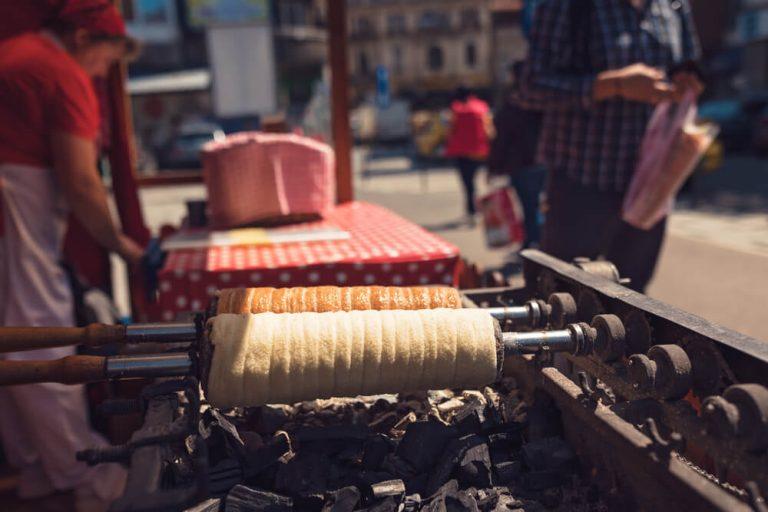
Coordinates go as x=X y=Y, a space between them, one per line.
x=737 y=117
x=183 y=151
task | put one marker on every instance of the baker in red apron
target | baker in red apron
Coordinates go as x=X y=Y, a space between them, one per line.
x=49 y=124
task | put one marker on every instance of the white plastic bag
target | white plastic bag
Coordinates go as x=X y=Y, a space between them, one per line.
x=672 y=146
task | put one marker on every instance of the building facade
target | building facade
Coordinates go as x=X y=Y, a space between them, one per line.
x=425 y=45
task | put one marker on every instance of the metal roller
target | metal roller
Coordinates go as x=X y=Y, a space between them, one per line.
x=535 y=314
x=576 y=339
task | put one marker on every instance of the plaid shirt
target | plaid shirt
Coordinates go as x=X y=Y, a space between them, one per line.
x=596 y=143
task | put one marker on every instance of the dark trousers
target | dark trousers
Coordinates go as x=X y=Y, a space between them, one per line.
x=528 y=183
x=467 y=170
x=583 y=221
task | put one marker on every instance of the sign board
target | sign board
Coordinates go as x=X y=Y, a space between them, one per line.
x=242 y=65
x=204 y=13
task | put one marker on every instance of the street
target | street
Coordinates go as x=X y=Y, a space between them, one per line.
x=714 y=262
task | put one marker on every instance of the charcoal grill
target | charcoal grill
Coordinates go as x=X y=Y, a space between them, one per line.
x=662 y=407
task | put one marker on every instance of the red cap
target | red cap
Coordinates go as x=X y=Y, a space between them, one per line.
x=96 y=16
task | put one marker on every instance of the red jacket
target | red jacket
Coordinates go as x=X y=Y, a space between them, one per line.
x=468 y=136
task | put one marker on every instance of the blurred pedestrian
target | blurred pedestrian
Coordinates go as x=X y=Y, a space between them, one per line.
x=468 y=141
x=48 y=155
x=513 y=153
x=596 y=68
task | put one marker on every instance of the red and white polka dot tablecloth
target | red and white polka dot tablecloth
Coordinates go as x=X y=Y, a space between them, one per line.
x=383 y=249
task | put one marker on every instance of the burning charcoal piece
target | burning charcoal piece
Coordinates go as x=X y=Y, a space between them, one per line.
x=394 y=488
x=506 y=472
x=551 y=453
x=451 y=457
x=376 y=448
x=423 y=443
x=343 y=500
x=245 y=499
x=475 y=467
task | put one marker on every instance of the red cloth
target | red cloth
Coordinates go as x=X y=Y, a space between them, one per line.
x=96 y=16
x=383 y=249
x=468 y=137
x=42 y=90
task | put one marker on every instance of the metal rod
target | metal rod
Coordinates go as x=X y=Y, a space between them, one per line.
x=165 y=365
x=520 y=343
x=515 y=314
x=158 y=333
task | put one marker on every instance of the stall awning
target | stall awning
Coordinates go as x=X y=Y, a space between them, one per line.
x=190 y=80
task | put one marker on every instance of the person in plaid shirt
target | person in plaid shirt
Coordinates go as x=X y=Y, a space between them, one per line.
x=596 y=68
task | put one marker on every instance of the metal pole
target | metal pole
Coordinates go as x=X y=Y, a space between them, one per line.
x=342 y=135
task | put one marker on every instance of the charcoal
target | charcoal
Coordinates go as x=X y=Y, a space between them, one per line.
x=210 y=505
x=505 y=441
x=308 y=473
x=541 y=480
x=385 y=423
x=417 y=484
x=508 y=471
x=267 y=455
x=412 y=503
x=552 y=497
x=472 y=415
x=450 y=458
x=397 y=466
x=269 y=418
x=386 y=505
x=506 y=503
x=463 y=501
x=551 y=453
x=376 y=448
x=475 y=467
x=343 y=500
x=245 y=499
x=423 y=443
x=309 y=502
x=334 y=433
x=394 y=488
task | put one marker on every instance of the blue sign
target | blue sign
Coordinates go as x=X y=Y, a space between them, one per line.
x=382 y=87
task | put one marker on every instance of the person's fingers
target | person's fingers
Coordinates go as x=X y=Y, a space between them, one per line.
x=663 y=91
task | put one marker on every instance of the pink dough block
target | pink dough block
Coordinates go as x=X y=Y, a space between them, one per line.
x=253 y=175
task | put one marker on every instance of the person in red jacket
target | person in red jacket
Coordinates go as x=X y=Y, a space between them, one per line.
x=468 y=141
x=49 y=126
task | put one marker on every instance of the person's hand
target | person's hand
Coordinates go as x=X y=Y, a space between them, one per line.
x=685 y=81
x=129 y=250
x=638 y=82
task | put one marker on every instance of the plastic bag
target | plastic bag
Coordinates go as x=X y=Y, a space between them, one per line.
x=672 y=146
x=502 y=218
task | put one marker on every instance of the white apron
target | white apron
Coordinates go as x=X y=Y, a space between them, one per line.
x=43 y=425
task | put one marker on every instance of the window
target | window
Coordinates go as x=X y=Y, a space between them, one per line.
x=364 y=26
x=396 y=24
x=470 y=55
x=435 y=58
x=470 y=18
x=363 y=66
x=434 y=20
x=397 y=59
